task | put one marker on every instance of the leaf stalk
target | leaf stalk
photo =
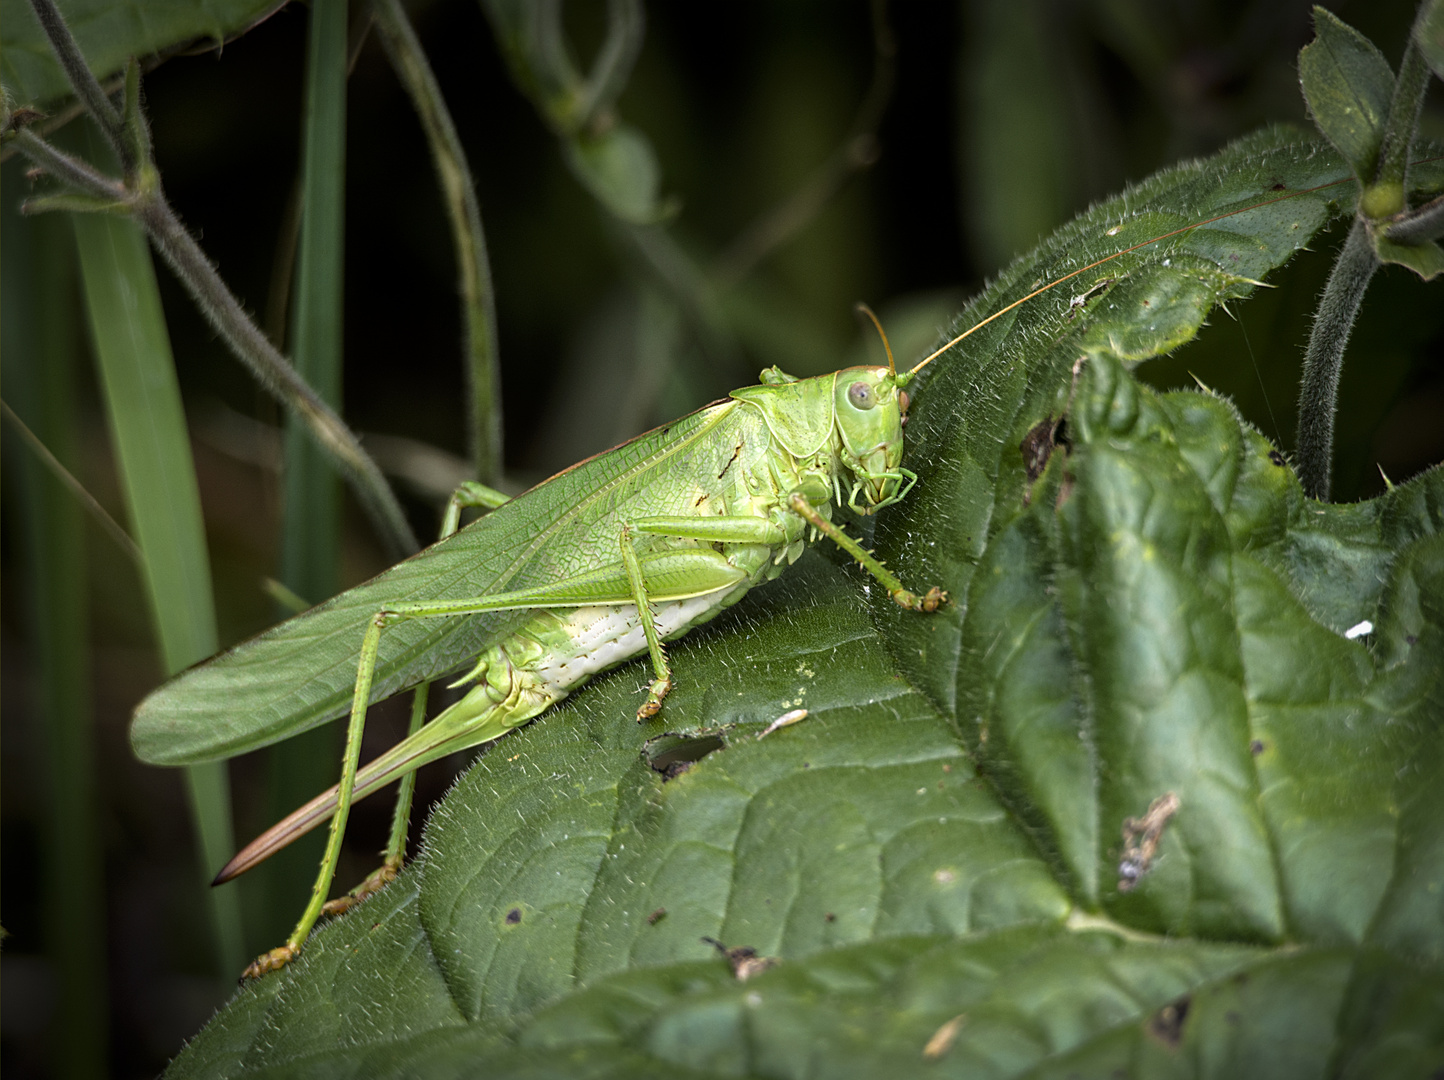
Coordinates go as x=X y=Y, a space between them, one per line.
x=1324 y=361
x=1419 y=226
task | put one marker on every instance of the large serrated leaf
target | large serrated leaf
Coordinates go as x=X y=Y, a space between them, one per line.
x=935 y=853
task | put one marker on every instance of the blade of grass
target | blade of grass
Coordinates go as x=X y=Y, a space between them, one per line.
x=153 y=455
x=311 y=522
x=311 y=541
x=39 y=349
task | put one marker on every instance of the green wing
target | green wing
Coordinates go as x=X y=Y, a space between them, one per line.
x=300 y=673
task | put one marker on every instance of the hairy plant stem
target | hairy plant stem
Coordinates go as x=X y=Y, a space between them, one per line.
x=250 y=344
x=478 y=302
x=142 y=198
x=87 y=88
x=1355 y=266
x=69 y=170
x=1419 y=226
x=1318 y=396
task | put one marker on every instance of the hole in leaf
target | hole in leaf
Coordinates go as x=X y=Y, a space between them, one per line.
x=1037 y=447
x=672 y=754
x=1166 y=1025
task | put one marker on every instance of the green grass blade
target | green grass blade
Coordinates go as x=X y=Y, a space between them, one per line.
x=312 y=491
x=39 y=351
x=157 y=475
x=311 y=529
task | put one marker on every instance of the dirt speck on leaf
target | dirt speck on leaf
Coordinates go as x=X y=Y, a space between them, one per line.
x=743 y=959
x=943 y=1039
x=1141 y=837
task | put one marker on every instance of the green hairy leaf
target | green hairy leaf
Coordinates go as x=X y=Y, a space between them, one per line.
x=1348 y=85
x=109 y=34
x=1156 y=794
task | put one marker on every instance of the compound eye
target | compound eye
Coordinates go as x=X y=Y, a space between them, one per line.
x=861 y=395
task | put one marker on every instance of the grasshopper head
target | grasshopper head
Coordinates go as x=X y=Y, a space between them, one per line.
x=869 y=408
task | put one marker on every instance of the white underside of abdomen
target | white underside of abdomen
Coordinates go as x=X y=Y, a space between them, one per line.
x=605 y=635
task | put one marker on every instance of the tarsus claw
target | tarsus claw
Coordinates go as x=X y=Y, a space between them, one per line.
x=274 y=960
x=653 y=705
x=931 y=601
x=379 y=879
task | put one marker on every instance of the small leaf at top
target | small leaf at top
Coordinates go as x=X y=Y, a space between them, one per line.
x=1348 y=85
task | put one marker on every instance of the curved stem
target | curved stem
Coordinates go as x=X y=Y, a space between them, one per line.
x=224 y=312
x=1318 y=397
x=626 y=26
x=478 y=300
x=82 y=81
x=1419 y=226
x=68 y=170
x=146 y=203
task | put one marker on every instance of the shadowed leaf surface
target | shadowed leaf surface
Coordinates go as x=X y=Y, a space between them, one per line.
x=109 y=34
x=961 y=849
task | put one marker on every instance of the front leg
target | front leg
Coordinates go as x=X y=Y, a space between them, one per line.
x=929 y=601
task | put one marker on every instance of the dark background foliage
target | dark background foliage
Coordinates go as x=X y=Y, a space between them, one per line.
x=1005 y=120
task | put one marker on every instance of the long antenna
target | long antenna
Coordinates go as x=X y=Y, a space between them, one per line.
x=1108 y=258
x=892 y=368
